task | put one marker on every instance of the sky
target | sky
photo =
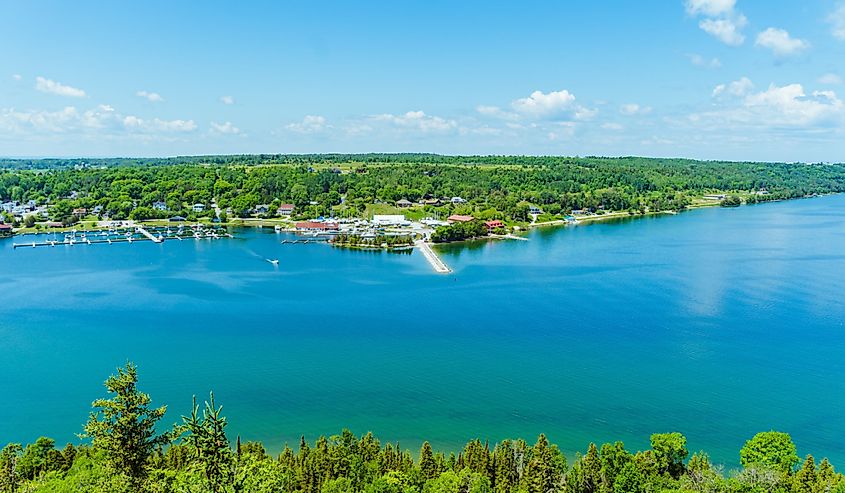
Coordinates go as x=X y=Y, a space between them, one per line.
x=707 y=79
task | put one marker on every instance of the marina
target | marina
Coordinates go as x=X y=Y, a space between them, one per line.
x=125 y=235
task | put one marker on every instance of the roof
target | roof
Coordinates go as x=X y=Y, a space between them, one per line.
x=315 y=225
x=459 y=218
x=494 y=223
x=5 y=226
x=287 y=206
x=404 y=201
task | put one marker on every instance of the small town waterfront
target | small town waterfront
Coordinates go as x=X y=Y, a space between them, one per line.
x=717 y=323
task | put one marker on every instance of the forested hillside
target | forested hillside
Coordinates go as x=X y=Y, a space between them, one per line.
x=495 y=187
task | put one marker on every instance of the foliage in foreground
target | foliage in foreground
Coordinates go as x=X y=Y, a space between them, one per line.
x=127 y=455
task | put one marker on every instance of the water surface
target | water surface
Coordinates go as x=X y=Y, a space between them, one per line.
x=718 y=323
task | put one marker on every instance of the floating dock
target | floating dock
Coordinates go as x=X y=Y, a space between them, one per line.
x=436 y=262
x=124 y=235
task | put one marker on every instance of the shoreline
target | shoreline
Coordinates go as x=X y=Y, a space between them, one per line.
x=288 y=223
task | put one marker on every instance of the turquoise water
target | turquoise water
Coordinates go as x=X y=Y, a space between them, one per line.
x=718 y=323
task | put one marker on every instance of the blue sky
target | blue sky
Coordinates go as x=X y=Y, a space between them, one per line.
x=711 y=79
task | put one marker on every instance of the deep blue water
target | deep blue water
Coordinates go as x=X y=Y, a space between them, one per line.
x=718 y=323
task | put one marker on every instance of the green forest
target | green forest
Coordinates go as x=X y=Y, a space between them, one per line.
x=494 y=187
x=128 y=449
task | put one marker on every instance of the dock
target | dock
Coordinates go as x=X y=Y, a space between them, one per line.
x=436 y=262
x=125 y=235
x=154 y=239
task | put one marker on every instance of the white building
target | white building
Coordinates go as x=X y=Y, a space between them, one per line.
x=390 y=220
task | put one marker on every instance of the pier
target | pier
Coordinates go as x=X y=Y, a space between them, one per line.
x=154 y=239
x=125 y=235
x=436 y=262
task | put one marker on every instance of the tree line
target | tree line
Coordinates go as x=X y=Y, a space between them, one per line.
x=499 y=187
x=127 y=451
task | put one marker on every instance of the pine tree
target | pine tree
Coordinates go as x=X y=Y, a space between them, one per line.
x=428 y=467
x=805 y=479
x=207 y=436
x=123 y=427
x=591 y=470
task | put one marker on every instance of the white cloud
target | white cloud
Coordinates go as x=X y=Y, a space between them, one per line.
x=634 y=109
x=17 y=76
x=227 y=100
x=150 y=96
x=496 y=112
x=830 y=79
x=837 y=21
x=780 y=42
x=700 y=61
x=53 y=87
x=776 y=107
x=710 y=8
x=738 y=88
x=225 y=128
x=158 y=125
x=720 y=20
x=100 y=121
x=309 y=125
x=728 y=30
x=418 y=120
x=542 y=104
x=552 y=106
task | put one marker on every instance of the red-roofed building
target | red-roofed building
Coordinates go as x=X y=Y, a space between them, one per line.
x=494 y=224
x=5 y=229
x=458 y=218
x=315 y=226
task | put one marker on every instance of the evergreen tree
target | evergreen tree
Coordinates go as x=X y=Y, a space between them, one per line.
x=428 y=466
x=9 y=476
x=123 y=427
x=805 y=480
x=591 y=470
x=207 y=438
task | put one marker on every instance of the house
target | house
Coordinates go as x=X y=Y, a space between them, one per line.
x=432 y=202
x=458 y=200
x=80 y=211
x=315 y=226
x=403 y=203
x=54 y=224
x=285 y=209
x=534 y=211
x=261 y=209
x=159 y=205
x=458 y=218
x=5 y=230
x=198 y=207
x=97 y=209
x=494 y=224
x=177 y=219
x=715 y=196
